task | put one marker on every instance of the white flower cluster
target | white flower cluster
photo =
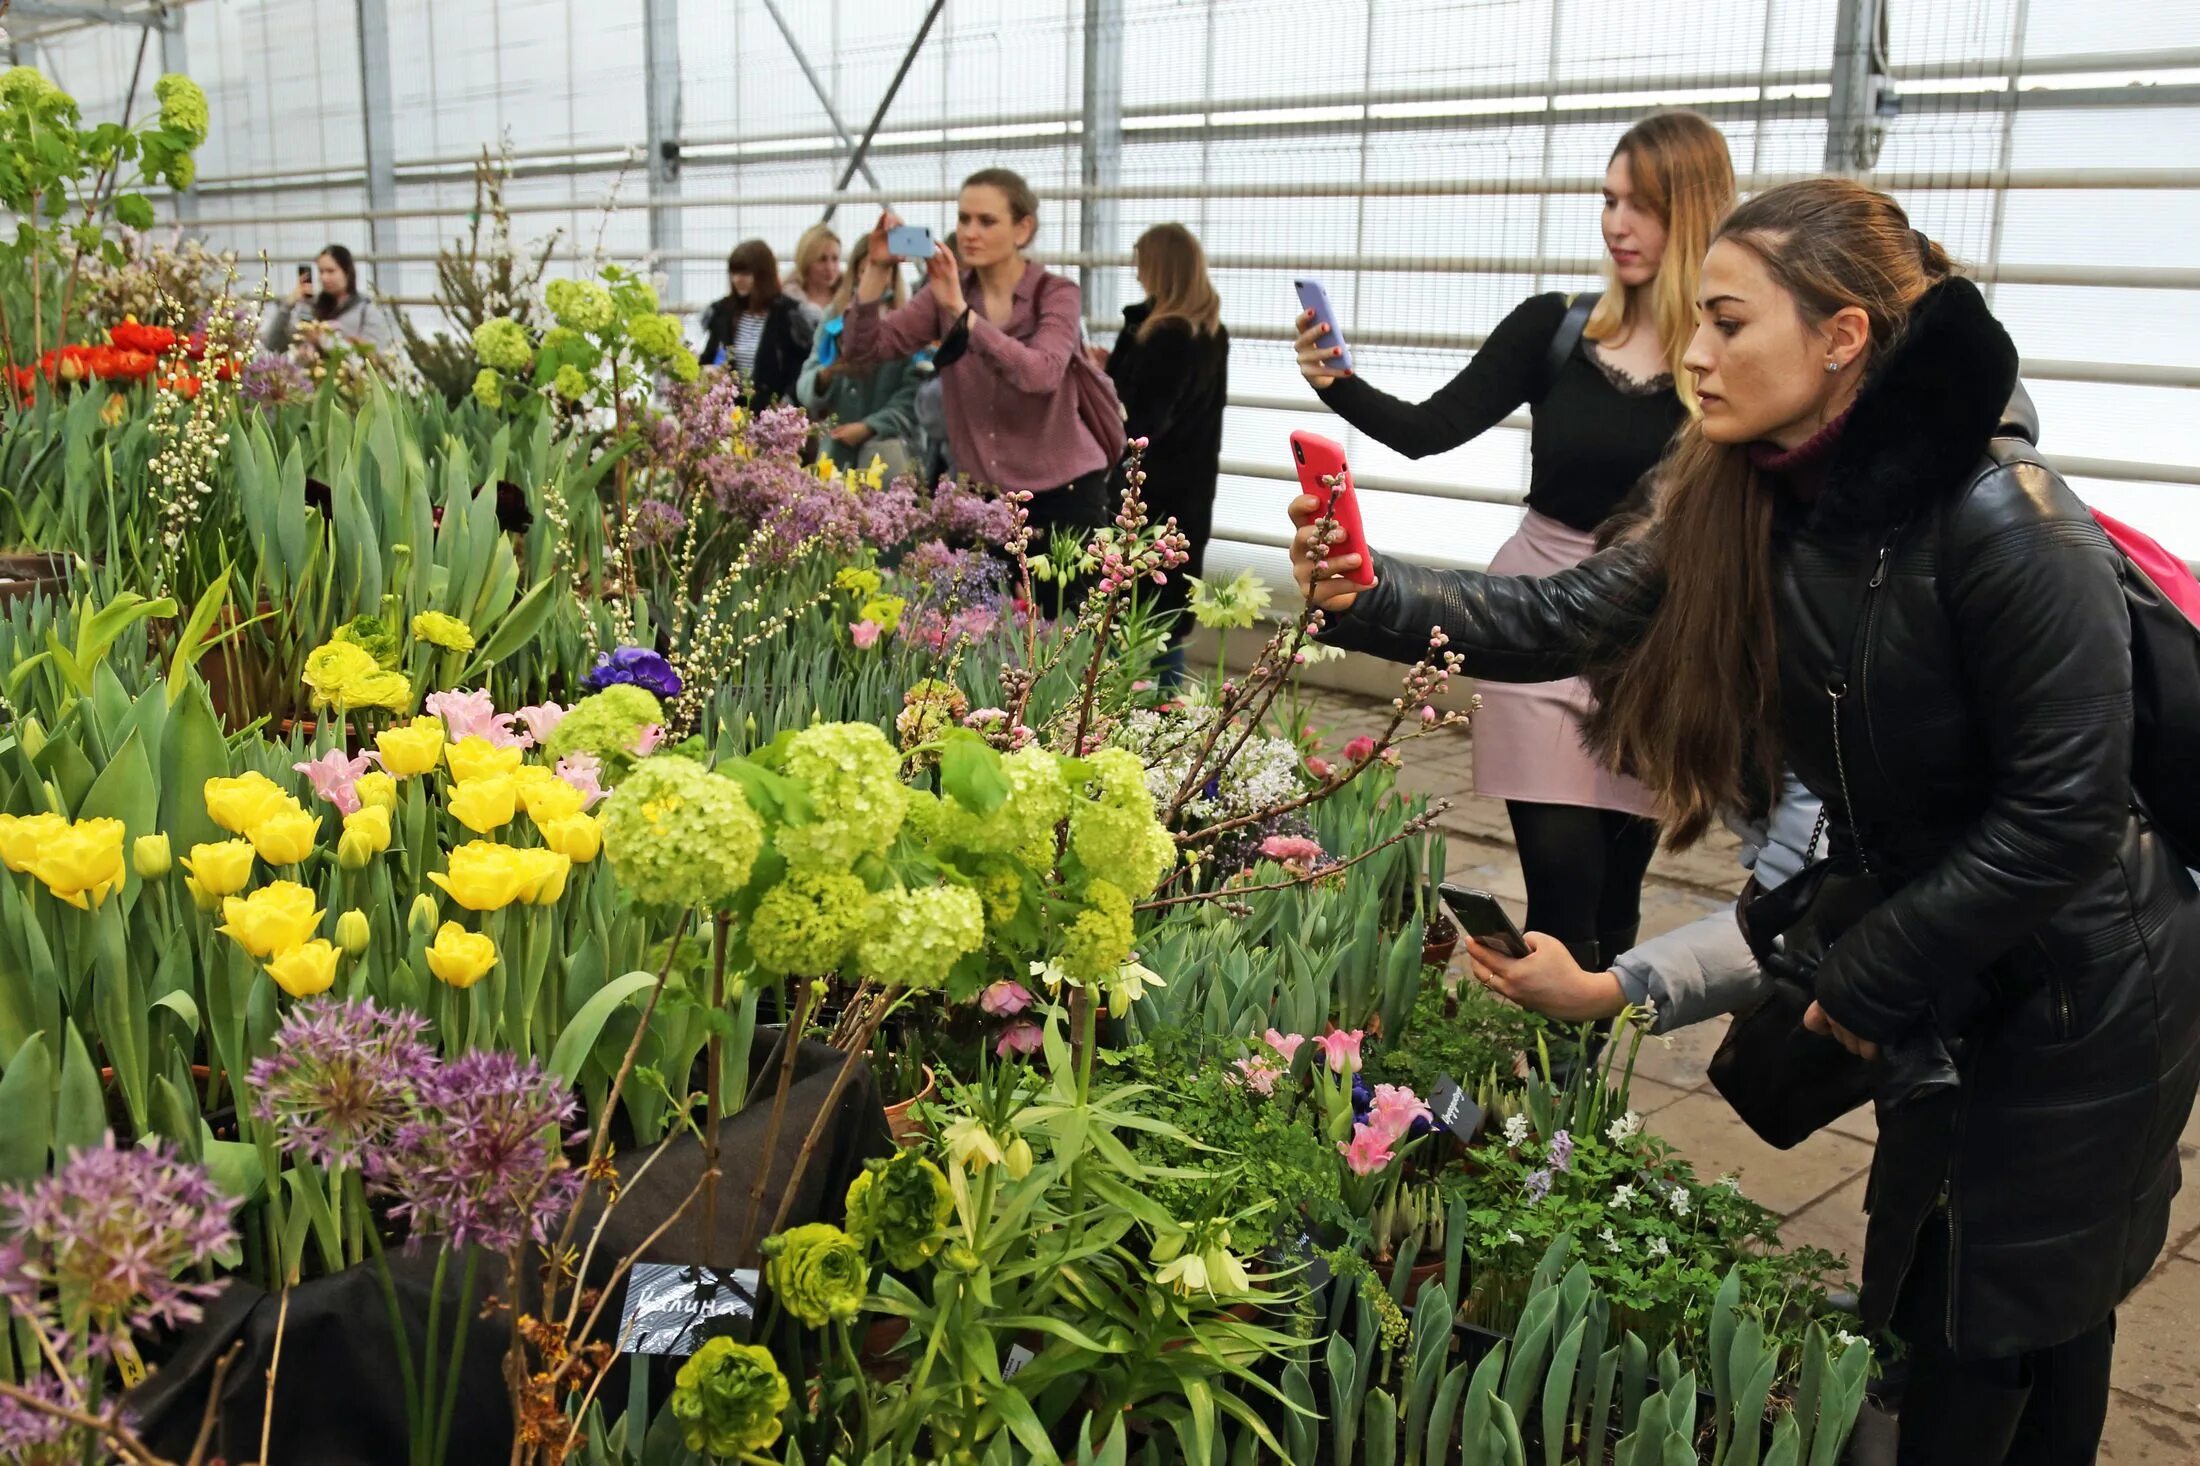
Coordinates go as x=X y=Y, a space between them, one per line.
x=1516 y=1131
x=1262 y=774
x=1624 y=1129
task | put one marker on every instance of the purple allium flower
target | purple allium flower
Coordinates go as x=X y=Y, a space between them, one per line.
x=1539 y=1186
x=272 y=379
x=483 y=1163
x=343 y=1077
x=1562 y=1151
x=657 y=523
x=780 y=432
x=32 y=1437
x=638 y=665
x=97 y=1244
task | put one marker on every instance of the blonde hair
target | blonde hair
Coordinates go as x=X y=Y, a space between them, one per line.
x=897 y=293
x=1170 y=255
x=1679 y=167
x=808 y=248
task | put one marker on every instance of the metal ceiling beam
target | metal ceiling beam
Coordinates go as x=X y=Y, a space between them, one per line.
x=176 y=58
x=1100 y=149
x=89 y=13
x=376 y=121
x=817 y=85
x=661 y=104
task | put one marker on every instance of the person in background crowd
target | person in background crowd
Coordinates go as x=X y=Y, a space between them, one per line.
x=1601 y=419
x=817 y=272
x=1009 y=359
x=757 y=328
x=332 y=295
x=1839 y=579
x=1171 y=368
x=871 y=404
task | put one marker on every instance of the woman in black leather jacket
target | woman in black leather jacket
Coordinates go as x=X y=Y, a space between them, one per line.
x=1840 y=574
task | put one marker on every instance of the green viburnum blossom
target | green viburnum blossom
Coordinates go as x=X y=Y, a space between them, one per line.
x=854 y=780
x=929 y=708
x=817 y=1273
x=679 y=835
x=448 y=632
x=27 y=86
x=570 y=383
x=1000 y=885
x=1099 y=940
x=917 y=937
x=582 y=305
x=182 y=106
x=902 y=1204
x=808 y=923
x=655 y=337
x=488 y=388
x=1116 y=835
x=501 y=342
x=1024 y=824
x=605 y=723
x=684 y=367
x=728 y=1399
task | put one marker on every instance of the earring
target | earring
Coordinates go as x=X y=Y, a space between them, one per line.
x=1832 y=365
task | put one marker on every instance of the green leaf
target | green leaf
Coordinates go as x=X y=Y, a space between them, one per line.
x=80 y=1116
x=125 y=790
x=191 y=641
x=133 y=211
x=26 y=1111
x=573 y=1045
x=193 y=752
x=971 y=773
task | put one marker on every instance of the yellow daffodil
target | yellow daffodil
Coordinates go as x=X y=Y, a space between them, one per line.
x=21 y=835
x=577 y=837
x=81 y=863
x=220 y=869
x=286 y=837
x=412 y=749
x=549 y=800
x=484 y=804
x=474 y=757
x=278 y=916
x=353 y=932
x=485 y=876
x=460 y=957
x=150 y=856
x=377 y=791
x=366 y=835
x=306 y=969
x=240 y=803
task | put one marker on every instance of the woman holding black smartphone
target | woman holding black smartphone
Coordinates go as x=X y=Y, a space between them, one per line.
x=1602 y=415
x=329 y=292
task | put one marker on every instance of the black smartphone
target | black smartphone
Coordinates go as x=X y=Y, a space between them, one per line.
x=305 y=274
x=1484 y=920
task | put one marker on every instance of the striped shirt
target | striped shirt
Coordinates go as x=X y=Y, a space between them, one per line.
x=748 y=334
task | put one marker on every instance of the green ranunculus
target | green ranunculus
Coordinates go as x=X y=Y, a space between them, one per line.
x=902 y=1204
x=728 y=1398
x=817 y=1273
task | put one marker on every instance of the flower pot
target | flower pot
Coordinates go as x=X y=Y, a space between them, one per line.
x=28 y=572
x=1439 y=941
x=875 y=1351
x=1419 y=1276
x=901 y=1119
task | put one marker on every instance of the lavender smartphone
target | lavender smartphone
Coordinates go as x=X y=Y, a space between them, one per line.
x=1312 y=297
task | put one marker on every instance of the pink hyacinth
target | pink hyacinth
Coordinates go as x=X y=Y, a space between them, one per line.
x=584 y=771
x=334 y=778
x=1005 y=999
x=541 y=719
x=1359 y=750
x=1341 y=1048
x=1259 y=1074
x=1319 y=768
x=1367 y=1152
x=864 y=634
x=1393 y=1111
x=646 y=743
x=1285 y=1044
x=1019 y=1038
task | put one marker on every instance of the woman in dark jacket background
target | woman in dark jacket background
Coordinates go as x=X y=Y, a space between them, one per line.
x=1171 y=368
x=1935 y=639
x=757 y=328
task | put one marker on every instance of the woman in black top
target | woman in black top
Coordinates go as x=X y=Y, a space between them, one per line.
x=1171 y=368
x=1600 y=421
x=757 y=328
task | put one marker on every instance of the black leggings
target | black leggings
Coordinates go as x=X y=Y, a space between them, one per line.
x=1584 y=870
x=1079 y=507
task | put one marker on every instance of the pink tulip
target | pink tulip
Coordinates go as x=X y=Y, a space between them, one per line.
x=333 y=777
x=1259 y=1075
x=1005 y=998
x=1367 y=1152
x=1292 y=850
x=1285 y=1044
x=1019 y=1038
x=541 y=719
x=1341 y=1048
x=651 y=736
x=584 y=771
x=1393 y=1111
x=864 y=634
x=1359 y=750
x=473 y=715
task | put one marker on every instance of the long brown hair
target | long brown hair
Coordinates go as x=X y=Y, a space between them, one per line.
x=1692 y=706
x=1679 y=167
x=1169 y=255
x=754 y=258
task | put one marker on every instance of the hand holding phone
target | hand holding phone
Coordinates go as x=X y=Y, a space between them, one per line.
x=909 y=242
x=1485 y=920
x=1318 y=459
x=1321 y=345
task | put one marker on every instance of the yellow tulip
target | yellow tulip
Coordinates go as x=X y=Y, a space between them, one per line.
x=221 y=869
x=475 y=757
x=577 y=837
x=352 y=932
x=485 y=876
x=420 y=920
x=486 y=804
x=81 y=863
x=240 y=803
x=412 y=749
x=21 y=835
x=151 y=856
x=377 y=790
x=306 y=969
x=547 y=870
x=285 y=838
x=550 y=800
x=278 y=916
x=460 y=957
x=366 y=835
x=205 y=900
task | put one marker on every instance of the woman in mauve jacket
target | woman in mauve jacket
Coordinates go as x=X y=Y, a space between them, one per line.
x=1840 y=576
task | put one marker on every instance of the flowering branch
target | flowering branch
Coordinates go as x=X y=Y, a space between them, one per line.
x=1415 y=826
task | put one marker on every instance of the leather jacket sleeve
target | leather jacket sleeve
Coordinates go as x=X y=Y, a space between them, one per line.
x=2031 y=587
x=1506 y=628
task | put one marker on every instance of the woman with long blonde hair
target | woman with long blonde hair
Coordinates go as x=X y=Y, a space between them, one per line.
x=1602 y=379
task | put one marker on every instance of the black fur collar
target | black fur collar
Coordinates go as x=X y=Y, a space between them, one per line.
x=1923 y=419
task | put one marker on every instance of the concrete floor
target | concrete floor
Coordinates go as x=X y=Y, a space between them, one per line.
x=2154 y=1418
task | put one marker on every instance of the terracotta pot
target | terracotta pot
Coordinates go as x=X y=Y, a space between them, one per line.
x=1439 y=941
x=907 y=1128
x=27 y=572
x=874 y=1350
x=1419 y=1276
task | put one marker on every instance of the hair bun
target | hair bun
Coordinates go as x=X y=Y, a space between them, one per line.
x=1931 y=256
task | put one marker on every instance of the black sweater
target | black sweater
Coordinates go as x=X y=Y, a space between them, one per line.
x=1173 y=385
x=1591 y=439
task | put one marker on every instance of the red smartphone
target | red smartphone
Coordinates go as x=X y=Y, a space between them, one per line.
x=1318 y=458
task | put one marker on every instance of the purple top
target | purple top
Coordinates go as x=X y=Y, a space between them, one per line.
x=1011 y=410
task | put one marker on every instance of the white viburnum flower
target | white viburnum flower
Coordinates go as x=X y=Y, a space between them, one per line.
x=1846 y=1340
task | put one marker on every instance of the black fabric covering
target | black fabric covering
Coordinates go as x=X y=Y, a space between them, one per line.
x=339 y=1395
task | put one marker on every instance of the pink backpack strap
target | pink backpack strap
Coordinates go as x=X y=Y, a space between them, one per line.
x=2171 y=576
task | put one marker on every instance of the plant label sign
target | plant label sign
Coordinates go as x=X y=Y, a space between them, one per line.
x=675 y=1307
x=1454 y=1110
x=1018 y=1357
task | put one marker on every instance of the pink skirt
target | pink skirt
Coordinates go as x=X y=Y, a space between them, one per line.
x=1527 y=736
